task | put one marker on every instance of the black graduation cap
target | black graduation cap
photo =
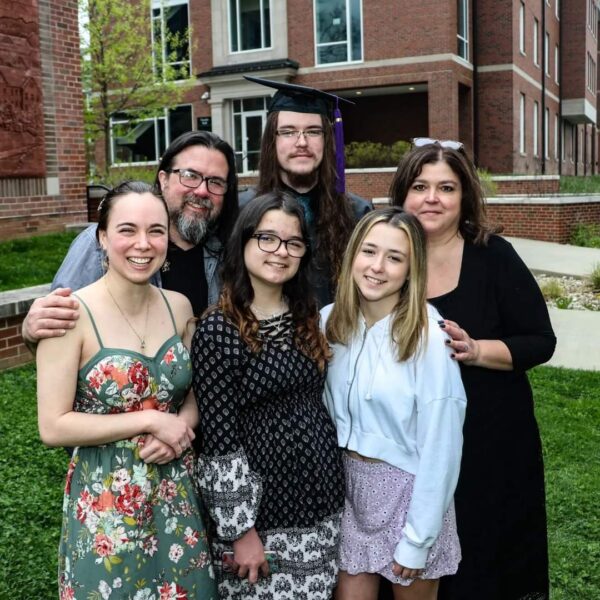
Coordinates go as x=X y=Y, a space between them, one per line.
x=299 y=98
x=303 y=99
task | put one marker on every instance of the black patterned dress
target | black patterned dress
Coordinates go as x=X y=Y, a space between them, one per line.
x=269 y=457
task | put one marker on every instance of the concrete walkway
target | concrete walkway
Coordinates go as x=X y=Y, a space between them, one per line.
x=577 y=331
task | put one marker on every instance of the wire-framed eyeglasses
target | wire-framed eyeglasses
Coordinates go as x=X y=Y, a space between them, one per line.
x=191 y=179
x=451 y=144
x=269 y=242
x=310 y=134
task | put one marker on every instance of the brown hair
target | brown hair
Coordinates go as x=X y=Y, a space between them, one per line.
x=335 y=220
x=473 y=224
x=237 y=293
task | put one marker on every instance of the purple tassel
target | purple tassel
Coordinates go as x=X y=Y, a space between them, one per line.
x=340 y=161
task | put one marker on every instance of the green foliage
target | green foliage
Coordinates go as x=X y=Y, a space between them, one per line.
x=121 y=70
x=116 y=175
x=32 y=261
x=586 y=235
x=364 y=155
x=588 y=184
x=567 y=409
x=594 y=278
x=568 y=412
x=552 y=289
x=490 y=189
x=563 y=302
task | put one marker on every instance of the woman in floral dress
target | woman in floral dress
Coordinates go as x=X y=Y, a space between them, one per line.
x=132 y=527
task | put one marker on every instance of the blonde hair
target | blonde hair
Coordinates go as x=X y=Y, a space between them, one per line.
x=409 y=319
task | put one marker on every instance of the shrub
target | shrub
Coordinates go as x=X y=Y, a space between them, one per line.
x=552 y=289
x=594 y=278
x=364 y=155
x=490 y=189
x=563 y=302
x=118 y=174
x=586 y=235
x=589 y=184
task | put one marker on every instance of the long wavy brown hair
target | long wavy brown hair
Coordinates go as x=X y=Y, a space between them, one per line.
x=473 y=225
x=335 y=220
x=237 y=293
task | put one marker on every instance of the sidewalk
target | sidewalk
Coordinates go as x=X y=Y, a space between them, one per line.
x=577 y=331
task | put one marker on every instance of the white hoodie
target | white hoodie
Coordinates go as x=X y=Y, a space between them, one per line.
x=408 y=414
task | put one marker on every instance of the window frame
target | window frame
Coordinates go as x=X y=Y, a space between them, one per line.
x=522 y=28
x=522 y=123
x=255 y=112
x=536 y=42
x=535 y=128
x=162 y=117
x=319 y=45
x=262 y=27
x=463 y=39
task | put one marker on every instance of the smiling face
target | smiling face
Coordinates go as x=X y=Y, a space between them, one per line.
x=192 y=211
x=299 y=157
x=435 y=199
x=380 y=269
x=272 y=269
x=136 y=236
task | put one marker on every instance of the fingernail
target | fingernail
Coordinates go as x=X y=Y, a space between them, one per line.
x=442 y=325
x=447 y=341
x=453 y=356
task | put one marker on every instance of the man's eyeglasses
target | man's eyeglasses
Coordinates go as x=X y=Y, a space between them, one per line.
x=269 y=242
x=191 y=179
x=309 y=134
x=451 y=144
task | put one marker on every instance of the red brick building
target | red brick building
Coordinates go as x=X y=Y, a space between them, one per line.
x=515 y=81
x=42 y=162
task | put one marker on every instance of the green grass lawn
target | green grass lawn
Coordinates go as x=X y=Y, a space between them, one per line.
x=568 y=410
x=32 y=261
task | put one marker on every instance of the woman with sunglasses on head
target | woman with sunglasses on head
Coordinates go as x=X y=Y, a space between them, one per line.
x=499 y=327
x=270 y=471
x=398 y=403
x=116 y=387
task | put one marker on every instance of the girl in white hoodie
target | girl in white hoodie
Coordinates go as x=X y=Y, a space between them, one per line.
x=398 y=402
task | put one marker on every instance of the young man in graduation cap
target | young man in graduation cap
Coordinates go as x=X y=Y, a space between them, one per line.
x=302 y=152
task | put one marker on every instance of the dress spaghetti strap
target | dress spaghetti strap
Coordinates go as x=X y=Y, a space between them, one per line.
x=89 y=312
x=170 y=311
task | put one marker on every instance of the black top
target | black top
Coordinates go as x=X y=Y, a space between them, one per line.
x=499 y=499
x=183 y=272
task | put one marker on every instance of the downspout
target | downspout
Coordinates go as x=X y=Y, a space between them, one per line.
x=545 y=53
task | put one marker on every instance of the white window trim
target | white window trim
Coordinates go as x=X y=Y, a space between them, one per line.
x=547 y=54
x=536 y=42
x=348 y=41
x=547 y=133
x=556 y=136
x=161 y=4
x=522 y=119
x=263 y=113
x=262 y=33
x=466 y=28
x=522 y=28
x=556 y=62
x=535 y=129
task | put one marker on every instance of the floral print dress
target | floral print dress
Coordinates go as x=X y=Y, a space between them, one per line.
x=131 y=530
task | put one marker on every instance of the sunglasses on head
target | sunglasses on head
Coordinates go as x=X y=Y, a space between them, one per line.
x=451 y=144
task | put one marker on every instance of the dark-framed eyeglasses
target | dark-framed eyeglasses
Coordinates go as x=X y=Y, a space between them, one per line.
x=309 y=134
x=451 y=144
x=269 y=242
x=191 y=179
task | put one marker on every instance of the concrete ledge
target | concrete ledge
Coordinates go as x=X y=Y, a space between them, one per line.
x=17 y=302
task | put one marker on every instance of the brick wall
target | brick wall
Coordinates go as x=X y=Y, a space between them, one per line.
x=40 y=204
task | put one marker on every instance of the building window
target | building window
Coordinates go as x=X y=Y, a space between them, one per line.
x=592 y=17
x=249 y=25
x=171 y=38
x=591 y=74
x=522 y=27
x=546 y=54
x=557 y=9
x=536 y=30
x=522 y=124
x=536 y=116
x=338 y=31
x=547 y=134
x=140 y=141
x=556 y=63
x=249 y=117
x=463 y=28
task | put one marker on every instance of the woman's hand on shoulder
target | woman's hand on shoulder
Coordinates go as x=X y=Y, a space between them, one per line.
x=172 y=430
x=249 y=556
x=464 y=348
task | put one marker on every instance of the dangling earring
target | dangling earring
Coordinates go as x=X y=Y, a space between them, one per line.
x=104 y=260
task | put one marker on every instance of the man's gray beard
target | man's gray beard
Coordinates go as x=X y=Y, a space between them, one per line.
x=191 y=229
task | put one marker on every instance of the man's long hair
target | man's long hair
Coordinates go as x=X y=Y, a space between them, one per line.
x=335 y=220
x=237 y=293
